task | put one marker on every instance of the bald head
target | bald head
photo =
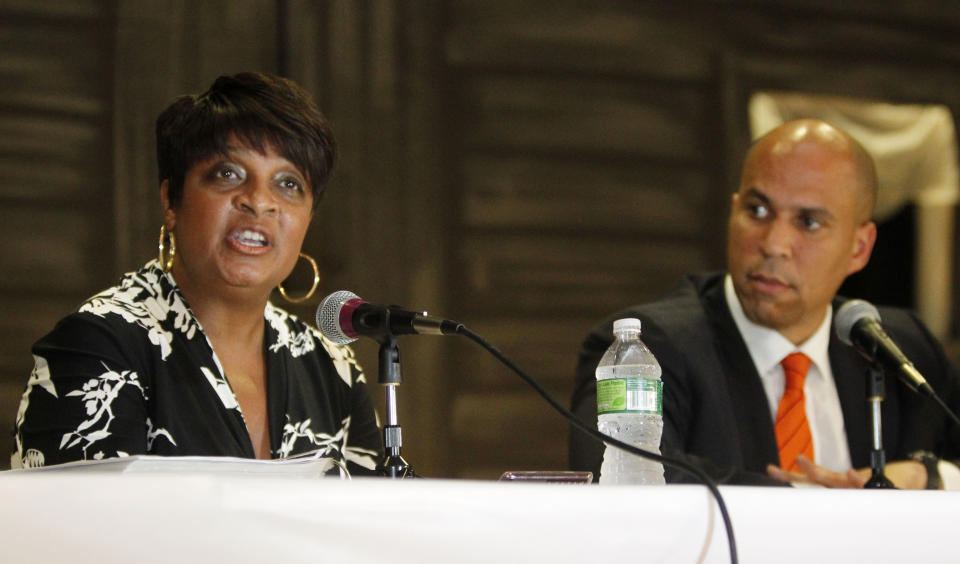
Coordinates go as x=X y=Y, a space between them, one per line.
x=794 y=136
x=799 y=225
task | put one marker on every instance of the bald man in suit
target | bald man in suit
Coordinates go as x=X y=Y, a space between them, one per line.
x=799 y=225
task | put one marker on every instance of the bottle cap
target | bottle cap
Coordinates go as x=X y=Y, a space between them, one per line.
x=626 y=324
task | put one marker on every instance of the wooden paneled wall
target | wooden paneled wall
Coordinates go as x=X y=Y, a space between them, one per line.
x=593 y=150
x=55 y=182
x=583 y=172
x=523 y=167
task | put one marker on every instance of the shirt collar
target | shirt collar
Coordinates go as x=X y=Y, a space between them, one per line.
x=767 y=346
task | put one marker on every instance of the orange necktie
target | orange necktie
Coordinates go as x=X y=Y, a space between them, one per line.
x=792 y=428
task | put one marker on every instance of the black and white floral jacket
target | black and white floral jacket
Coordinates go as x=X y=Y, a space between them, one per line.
x=132 y=372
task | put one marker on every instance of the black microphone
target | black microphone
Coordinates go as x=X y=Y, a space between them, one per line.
x=858 y=325
x=343 y=317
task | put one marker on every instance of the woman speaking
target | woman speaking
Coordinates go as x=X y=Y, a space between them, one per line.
x=187 y=356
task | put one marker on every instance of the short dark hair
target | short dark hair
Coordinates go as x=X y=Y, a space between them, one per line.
x=260 y=110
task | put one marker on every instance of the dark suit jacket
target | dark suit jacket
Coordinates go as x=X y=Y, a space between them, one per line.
x=716 y=414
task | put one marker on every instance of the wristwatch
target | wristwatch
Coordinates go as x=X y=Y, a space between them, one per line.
x=929 y=461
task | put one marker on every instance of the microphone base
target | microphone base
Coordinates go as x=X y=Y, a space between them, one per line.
x=395 y=467
x=878 y=480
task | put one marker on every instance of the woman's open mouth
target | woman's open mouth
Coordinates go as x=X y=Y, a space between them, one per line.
x=249 y=239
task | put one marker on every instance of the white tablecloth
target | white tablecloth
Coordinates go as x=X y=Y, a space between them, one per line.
x=90 y=517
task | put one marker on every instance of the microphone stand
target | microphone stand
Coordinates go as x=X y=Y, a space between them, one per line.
x=392 y=465
x=876 y=392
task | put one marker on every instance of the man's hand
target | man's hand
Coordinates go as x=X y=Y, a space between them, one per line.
x=905 y=475
x=811 y=473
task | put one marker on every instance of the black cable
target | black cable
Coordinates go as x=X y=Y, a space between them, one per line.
x=946 y=408
x=689 y=468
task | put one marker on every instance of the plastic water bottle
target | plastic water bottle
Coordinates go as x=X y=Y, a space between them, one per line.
x=630 y=406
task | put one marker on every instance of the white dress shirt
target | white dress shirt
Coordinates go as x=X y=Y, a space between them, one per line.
x=767 y=348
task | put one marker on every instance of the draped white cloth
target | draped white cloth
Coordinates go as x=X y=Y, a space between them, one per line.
x=161 y=518
x=914 y=146
x=915 y=150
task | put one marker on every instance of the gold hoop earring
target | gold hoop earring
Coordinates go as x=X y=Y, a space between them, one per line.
x=316 y=282
x=166 y=262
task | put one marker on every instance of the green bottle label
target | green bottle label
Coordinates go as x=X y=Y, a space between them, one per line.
x=630 y=395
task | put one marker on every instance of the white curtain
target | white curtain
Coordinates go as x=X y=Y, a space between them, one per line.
x=915 y=150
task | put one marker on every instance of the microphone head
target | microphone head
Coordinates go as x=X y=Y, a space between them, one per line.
x=328 y=316
x=849 y=314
